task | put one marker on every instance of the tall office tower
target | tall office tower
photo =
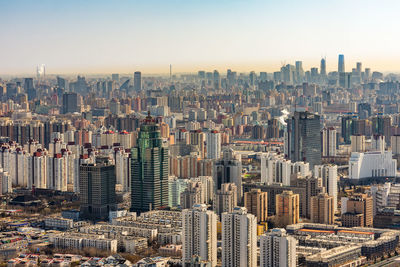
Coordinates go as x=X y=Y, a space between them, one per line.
x=61 y=83
x=277 y=249
x=303 y=138
x=287 y=208
x=263 y=76
x=252 y=78
x=367 y=75
x=328 y=139
x=256 y=203
x=239 y=239
x=359 y=68
x=229 y=170
x=97 y=189
x=137 y=81
x=323 y=67
x=341 y=67
x=216 y=80
x=29 y=88
x=197 y=138
x=192 y=195
x=364 y=110
x=149 y=189
x=199 y=235
x=347 y=128
x=115 y=107
x=358 y=143
x=382 y=125
x=328 y=174
x=70 y=103
x=213 y=139
x=357 y=211
x=225 y=199
x=322 y=210
x=299 y=72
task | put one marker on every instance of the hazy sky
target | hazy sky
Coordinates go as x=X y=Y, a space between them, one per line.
x=123 y=36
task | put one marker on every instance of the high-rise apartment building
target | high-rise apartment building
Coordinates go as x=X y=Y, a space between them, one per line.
x=149 y=166
x=322 y=209
x=329 y=175
x=256 y=203
x=358 y=143
x=287 y=208
x=225 y=199
x=199 y=235
x=328 y=142
x=239 y=239
x=303 y=138
x=357 y=211
x=213 y=145
x=229 y=170
x=277 y=249
x=97 y=189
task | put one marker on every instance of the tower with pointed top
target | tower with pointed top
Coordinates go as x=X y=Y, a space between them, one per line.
x=149 y=167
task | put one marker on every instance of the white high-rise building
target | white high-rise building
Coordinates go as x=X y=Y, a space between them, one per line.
x=277 y=249
x=239 y=238
x=328 y=174
x=276 y=169
x=57 y=172
x=5 y=183
x=213 y=145
x=122 y=169
x=37 y=166
x=176 y=187
x=199 y=234
x=328 y=138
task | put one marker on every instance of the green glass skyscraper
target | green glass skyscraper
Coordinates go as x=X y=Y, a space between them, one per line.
x=149 y=179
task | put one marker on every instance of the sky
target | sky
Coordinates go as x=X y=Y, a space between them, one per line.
x=97 y=36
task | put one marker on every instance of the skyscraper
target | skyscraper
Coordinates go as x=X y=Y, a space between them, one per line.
x=323 y=67
x=97 y=189
x=137 y=81
x=29 y=88
x=303 y=139
x=328 y=142
x=277 y=249
x=213 y=145
x=149 y=167
x=239 y=239
x=341 y=67
x=328 y=174
x=225 y=199
x=70 y=103
x=229 y=170
x=199 y=235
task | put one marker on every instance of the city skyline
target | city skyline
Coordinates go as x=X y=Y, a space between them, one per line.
x=104 y=36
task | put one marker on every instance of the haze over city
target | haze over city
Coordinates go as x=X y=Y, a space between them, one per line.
x=124 y=36
x=225 y=133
